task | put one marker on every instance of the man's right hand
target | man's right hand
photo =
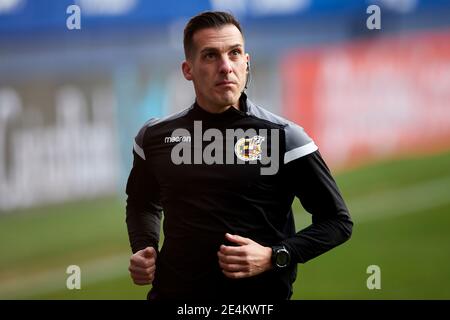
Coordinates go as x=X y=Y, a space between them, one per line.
x=142 y=266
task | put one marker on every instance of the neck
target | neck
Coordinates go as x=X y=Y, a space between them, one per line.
x=212 y=108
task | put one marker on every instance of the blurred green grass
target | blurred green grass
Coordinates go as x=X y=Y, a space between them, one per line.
x=401 y=214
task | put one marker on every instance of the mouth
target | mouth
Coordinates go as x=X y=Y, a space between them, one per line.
x=225 y=83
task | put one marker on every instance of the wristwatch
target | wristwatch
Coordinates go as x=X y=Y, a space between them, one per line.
x=280 y=257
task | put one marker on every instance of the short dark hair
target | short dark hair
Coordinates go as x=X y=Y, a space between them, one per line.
x=204 y=20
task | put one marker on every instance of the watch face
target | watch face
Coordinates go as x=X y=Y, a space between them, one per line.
x=282 y=258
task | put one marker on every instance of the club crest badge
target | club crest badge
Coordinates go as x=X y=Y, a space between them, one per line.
x=249 y=149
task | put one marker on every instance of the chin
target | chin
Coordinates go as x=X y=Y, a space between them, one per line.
x=228 y=99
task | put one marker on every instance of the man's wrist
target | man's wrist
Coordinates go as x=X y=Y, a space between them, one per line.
x=281 y=257
x=269 y=258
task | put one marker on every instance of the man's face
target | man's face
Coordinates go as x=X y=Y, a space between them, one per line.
x=217 y=66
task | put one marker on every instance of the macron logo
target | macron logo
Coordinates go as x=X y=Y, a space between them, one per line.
x=173 y=139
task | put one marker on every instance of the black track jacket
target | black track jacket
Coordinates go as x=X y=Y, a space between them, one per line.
x=202 y=199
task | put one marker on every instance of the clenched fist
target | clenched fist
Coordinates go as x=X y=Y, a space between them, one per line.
x=142 y=266
x=247 y=259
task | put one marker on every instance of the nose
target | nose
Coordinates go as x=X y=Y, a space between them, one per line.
x=225 y=66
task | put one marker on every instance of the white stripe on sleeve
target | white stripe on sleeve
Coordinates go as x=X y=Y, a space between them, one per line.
x=300 y=152
x=139 y=150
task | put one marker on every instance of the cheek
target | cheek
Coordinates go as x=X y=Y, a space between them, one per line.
x=205 y=74
x=241 y=75
x=242 y=69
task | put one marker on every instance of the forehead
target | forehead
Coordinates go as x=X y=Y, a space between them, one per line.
x=220 y=38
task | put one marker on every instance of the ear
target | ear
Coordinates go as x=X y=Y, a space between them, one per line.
x=247 y=56
x=187 y=70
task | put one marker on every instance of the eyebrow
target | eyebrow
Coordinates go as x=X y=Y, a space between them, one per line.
x=212 y=49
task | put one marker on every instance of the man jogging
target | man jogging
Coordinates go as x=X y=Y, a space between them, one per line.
x=224 y=173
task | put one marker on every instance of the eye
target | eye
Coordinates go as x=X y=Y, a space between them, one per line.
x=210 y=56
x=236 y=52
